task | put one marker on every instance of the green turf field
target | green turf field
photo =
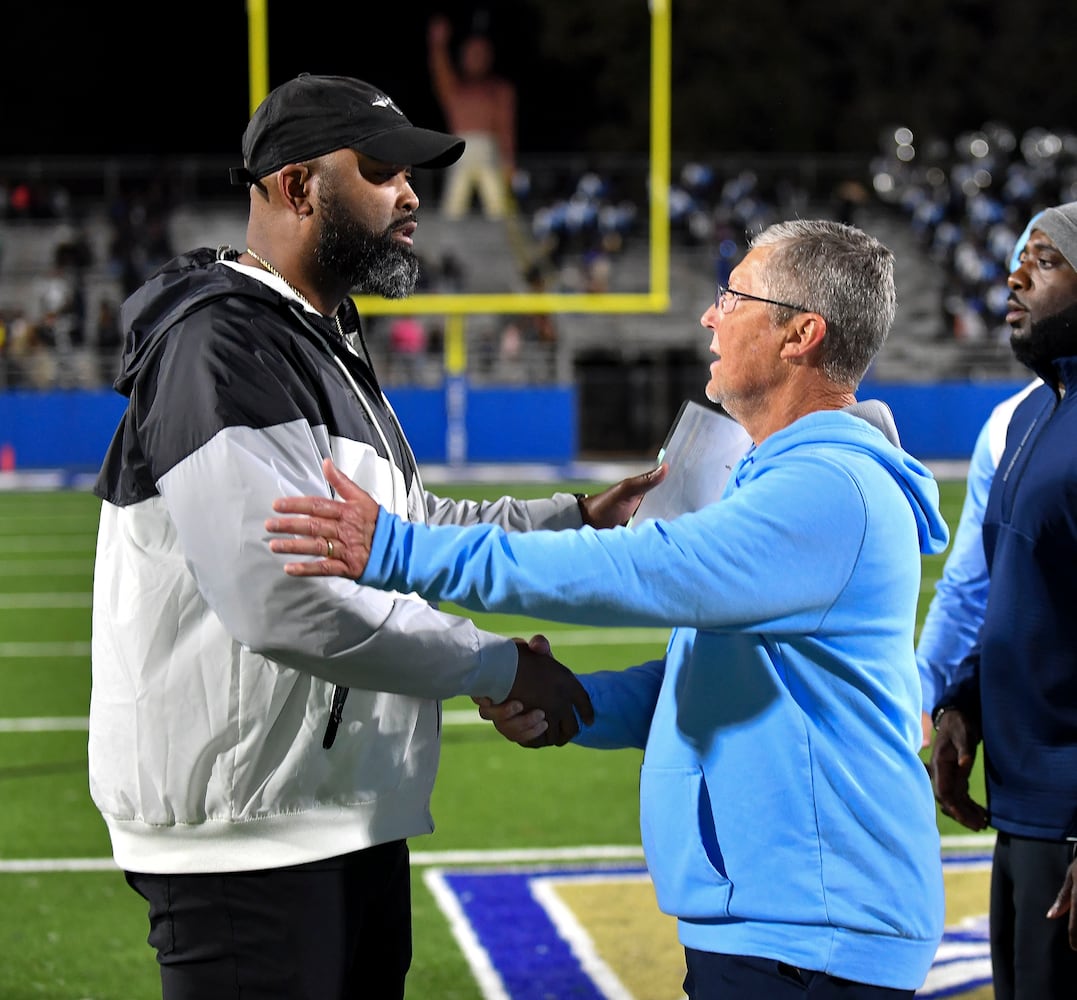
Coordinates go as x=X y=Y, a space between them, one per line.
x=70 y=929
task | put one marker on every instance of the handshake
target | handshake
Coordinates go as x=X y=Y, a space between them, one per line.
x=547 y=702
x=557 y=700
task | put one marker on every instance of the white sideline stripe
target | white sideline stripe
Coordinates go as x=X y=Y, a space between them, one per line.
x=17 y=524
x=598 y=637
x=943 y=977
x=462 y=717
x=21 y=650
x=41 y=479
x=33 y=866
x=538 y=855
x=478 y=958
x=607 y=636
x=60 y=724
x=48 y=569
x=974 y=841
x=55 y=725
x=72 y=600
x=528 y=855
x=472 y=472
x=522 y=856
x=47 y=544
x=579 y=941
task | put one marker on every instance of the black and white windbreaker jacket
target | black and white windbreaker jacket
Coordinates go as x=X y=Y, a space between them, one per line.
x=214 y=672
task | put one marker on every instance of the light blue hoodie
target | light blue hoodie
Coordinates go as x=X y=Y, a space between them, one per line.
x=784 y=809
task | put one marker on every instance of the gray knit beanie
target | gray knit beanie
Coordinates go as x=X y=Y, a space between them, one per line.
x=1060 y=223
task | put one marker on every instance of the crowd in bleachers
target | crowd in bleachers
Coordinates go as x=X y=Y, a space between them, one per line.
x=967 y=201
x=964 y=202
x=582 y=224
x=65 y=267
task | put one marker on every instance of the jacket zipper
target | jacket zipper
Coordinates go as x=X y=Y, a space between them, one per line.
x=340 y=693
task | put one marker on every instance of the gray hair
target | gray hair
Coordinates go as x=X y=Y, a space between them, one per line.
x=841 y=273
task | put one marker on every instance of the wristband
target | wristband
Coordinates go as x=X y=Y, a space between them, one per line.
x=938 y=713
x=580 y=497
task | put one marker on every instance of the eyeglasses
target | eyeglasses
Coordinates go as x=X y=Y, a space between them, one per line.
x=726 y=298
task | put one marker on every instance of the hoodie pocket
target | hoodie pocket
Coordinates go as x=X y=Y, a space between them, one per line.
x=680 y=843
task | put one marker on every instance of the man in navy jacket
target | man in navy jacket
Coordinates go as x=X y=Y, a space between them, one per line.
x=1016 y=692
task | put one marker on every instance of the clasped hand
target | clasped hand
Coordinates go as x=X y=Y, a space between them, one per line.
x=547 y=700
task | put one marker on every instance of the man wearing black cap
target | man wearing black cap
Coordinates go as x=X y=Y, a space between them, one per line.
x=1017 y=690
x=262 y=746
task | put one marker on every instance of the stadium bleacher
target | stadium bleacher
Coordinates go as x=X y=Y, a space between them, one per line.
x=584 y=226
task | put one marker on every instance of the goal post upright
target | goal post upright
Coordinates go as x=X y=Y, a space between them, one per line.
x=455 y=308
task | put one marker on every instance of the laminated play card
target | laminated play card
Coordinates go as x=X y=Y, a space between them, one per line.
x=703 y=445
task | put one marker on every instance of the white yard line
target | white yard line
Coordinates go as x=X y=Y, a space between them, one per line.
x=64 y=524
x=422 y=859
x=983 y=843
x=478 y=958
x=598 y=637
x=48 y=544
x=47 y=569
x=69 y=600
x=34 y=866
x=529 y=855
x=60 y=724
x=23 y=650
x=75 y=723
x=582 y=945
x=606 y=636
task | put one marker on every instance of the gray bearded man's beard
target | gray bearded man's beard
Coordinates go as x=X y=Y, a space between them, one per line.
x=373 y=264
x=389 y=270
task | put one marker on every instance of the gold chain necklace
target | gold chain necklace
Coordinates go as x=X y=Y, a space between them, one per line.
x=295 y=291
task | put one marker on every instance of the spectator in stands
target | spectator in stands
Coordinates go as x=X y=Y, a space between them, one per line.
x=1016 y=692
x=451 y=277
x=480 y=106
x=108 y=339
x=407 y=349
x=967 y=208
x=538 y=327
x=261 y=809
x=787 y=817
x=521 y=349
x=850 y=196
x=31 y=361
x=141 y=242
x=60 y=317
x=6 y=317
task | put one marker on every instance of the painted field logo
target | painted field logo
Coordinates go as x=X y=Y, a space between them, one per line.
x=595 y=933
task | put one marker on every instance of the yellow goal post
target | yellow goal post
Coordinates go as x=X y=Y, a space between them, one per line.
x=655 y=300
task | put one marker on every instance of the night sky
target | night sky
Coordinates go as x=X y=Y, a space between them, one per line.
x=127 y=79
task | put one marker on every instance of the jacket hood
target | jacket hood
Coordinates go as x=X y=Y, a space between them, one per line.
x=869 y=427
x=184 y=284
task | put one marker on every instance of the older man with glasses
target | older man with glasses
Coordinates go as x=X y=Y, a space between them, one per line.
x=726 y=300
x=787 y=819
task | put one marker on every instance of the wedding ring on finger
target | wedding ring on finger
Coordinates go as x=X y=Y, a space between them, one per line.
x=328 y=548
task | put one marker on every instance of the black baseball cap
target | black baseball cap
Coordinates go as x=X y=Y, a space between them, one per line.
x=310 y=116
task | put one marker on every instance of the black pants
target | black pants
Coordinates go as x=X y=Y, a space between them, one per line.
x=742 y=977
x=1030 y=955
x=338 y=929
